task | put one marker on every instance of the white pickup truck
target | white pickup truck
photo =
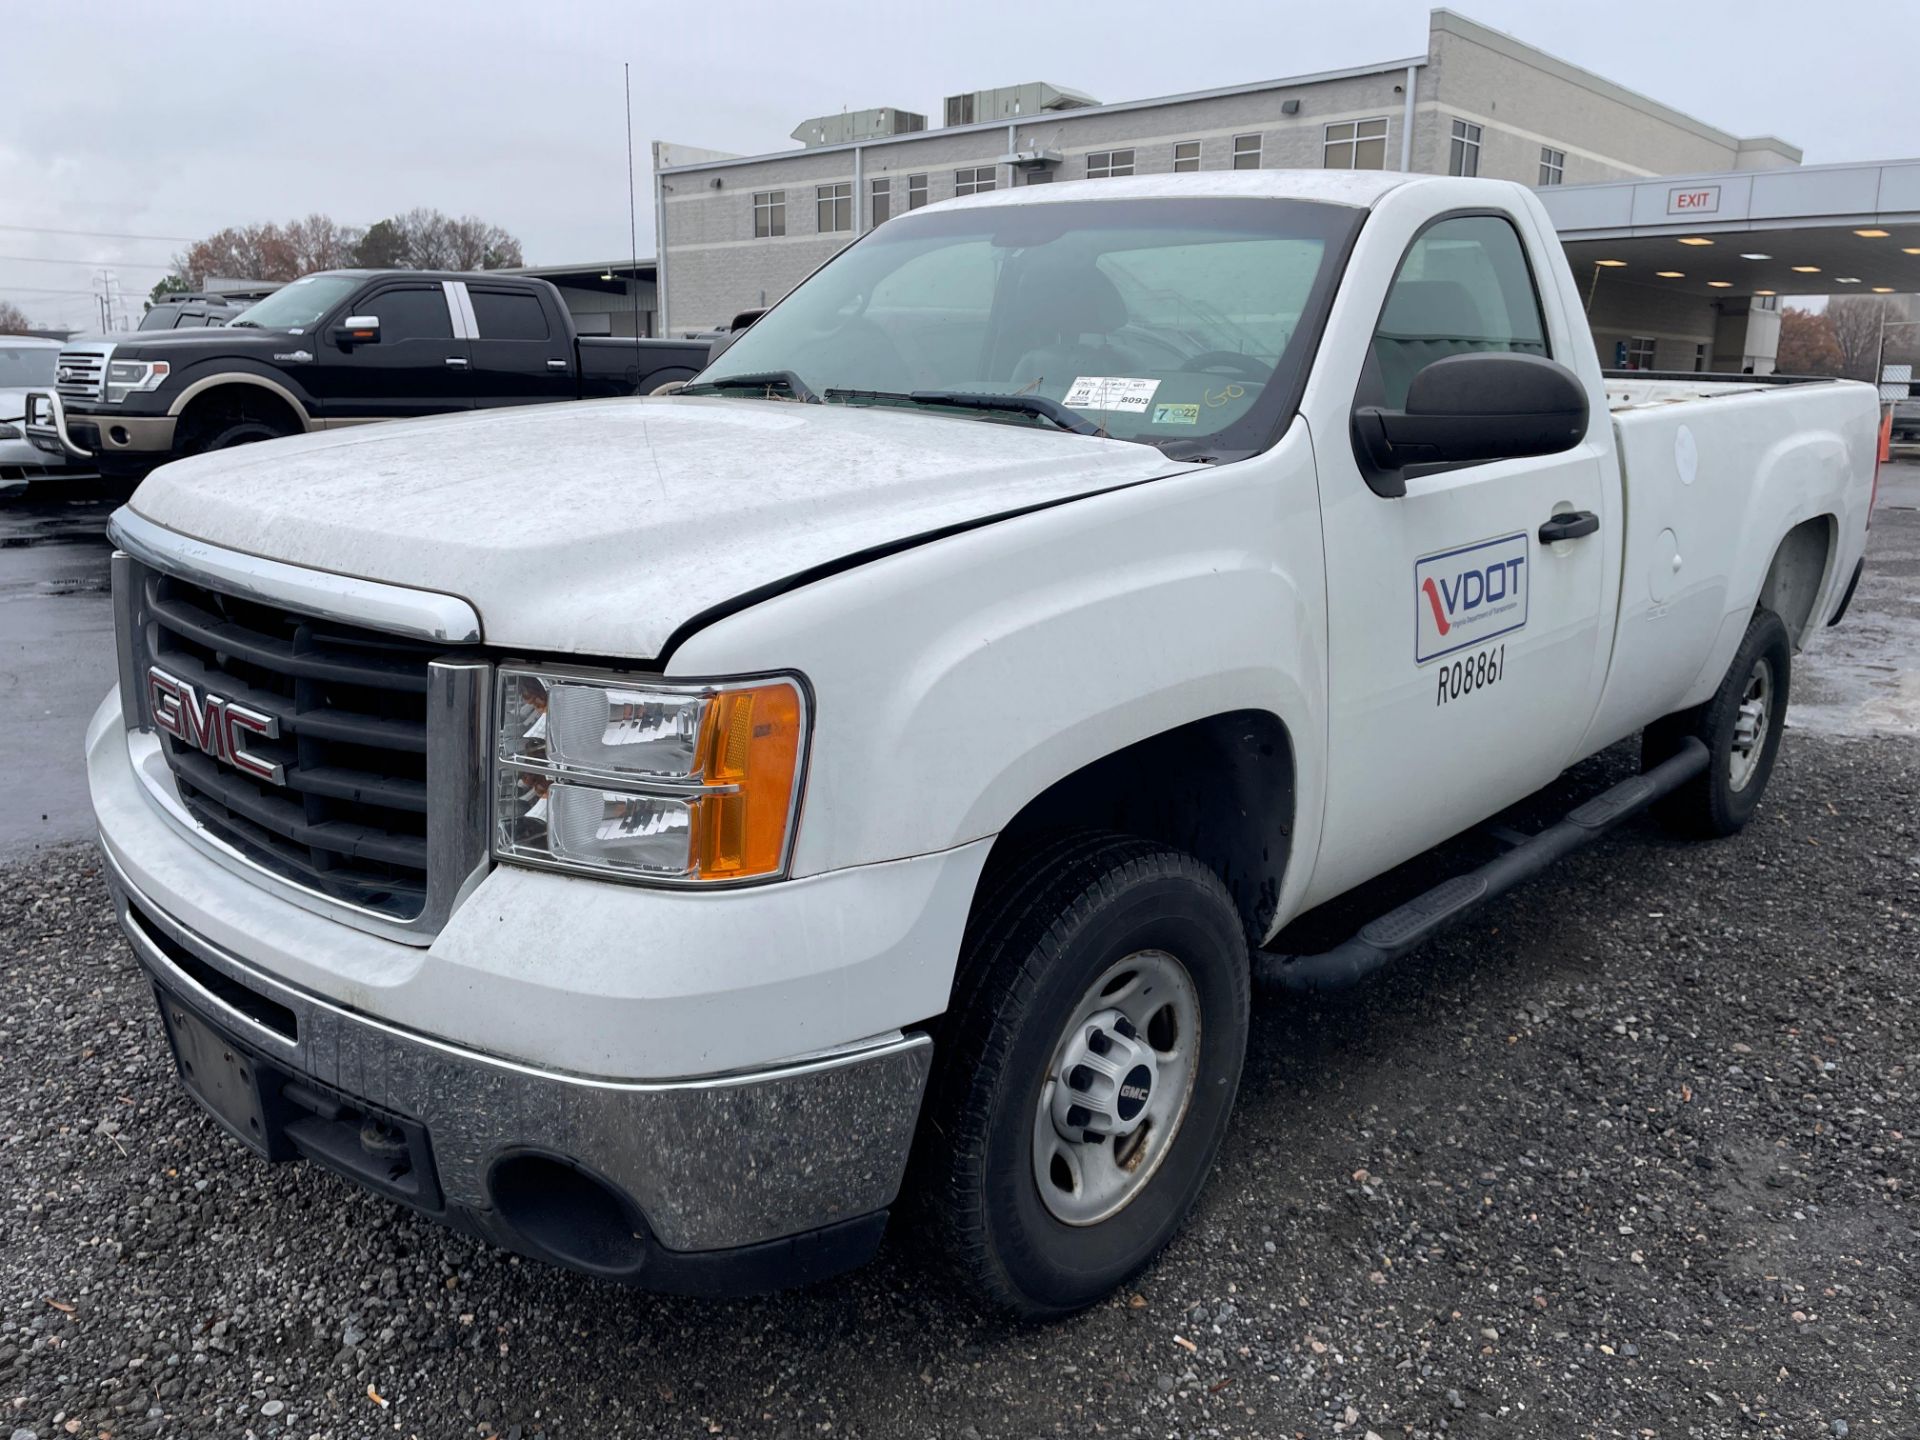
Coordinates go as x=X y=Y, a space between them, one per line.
x=649 y=832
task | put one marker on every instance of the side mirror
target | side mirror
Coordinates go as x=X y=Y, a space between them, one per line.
x=357 y=330
x=1493 y=405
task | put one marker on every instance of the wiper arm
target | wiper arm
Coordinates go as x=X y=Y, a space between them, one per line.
x=1038 y=406
x=760 y=380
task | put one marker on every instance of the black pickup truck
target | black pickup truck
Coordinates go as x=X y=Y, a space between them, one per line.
x=342 y=347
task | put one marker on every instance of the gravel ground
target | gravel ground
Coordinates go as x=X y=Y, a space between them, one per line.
x=1623 y=1158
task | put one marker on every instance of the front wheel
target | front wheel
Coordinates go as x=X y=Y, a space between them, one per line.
x=1740 y=724
x=239 y=430
x=1093 y=1054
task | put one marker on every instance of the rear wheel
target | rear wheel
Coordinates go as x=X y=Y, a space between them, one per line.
x=1092 y=1057
x=1741 y=727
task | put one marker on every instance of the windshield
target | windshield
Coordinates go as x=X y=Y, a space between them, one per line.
x=299 y=304
x=1183 y=323
x=25 y=367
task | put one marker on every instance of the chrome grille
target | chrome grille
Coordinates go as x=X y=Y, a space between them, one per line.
x=380 y=746
x=351 y=818
x=82 y=374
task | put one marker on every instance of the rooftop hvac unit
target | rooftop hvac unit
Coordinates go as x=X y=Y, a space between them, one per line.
x=851 y=125
x=1014 y=102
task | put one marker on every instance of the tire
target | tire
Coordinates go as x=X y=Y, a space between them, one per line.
x=1753 y=694
x=1081 y=929
x=226 y=433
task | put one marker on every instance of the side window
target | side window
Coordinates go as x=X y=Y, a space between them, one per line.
x=769 y=214
x=507 y=315
x=410 y=314
x=1464 y=286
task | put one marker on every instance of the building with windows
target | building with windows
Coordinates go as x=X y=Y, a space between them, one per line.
x=739 y=231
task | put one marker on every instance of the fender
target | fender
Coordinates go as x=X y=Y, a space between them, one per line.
x=242 y=377
x=966 y=676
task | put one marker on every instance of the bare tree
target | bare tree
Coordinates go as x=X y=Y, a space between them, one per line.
x=13 y=320
x=431 y=240
x=427 y=238
x=1856 y=322
x=321 y=243
x=480 y=246
x=421 y=239
x=1807 y=346
x=251 y=252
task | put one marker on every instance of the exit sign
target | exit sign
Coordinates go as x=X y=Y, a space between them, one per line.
x=1693 y=200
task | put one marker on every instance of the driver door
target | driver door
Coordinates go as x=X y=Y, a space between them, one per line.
x=417 y=367
x=1462 y=650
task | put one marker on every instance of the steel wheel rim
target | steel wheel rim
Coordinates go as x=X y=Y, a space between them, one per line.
x=1751 y=724
x=1084 y=1182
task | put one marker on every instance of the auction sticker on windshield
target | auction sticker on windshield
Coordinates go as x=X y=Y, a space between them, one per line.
x=1469 y=594
x=1110 y=392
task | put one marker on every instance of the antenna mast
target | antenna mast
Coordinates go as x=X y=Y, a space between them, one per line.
x=633 y=226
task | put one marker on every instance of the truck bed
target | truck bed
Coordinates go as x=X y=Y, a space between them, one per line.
x=1714 y=470
x=613 y=365
x=1639 y=389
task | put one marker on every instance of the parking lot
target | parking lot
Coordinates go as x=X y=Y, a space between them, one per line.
x=56 y=659
x=1630 y=1155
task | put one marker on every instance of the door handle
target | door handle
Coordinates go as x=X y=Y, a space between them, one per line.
x=1570 y=526
x=457 y=361
x=556 y=364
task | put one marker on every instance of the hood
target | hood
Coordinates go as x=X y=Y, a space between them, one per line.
x=597 y=528
x=221 y=339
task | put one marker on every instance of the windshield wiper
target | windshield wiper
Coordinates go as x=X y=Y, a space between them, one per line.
x=1038 y=406
x=759 y=380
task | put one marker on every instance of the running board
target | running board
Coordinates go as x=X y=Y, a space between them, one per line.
x=1381 y=941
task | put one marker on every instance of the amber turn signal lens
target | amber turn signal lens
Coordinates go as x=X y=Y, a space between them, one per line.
x=752 y=765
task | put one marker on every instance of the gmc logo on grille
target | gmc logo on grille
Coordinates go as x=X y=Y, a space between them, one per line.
x=212 y=723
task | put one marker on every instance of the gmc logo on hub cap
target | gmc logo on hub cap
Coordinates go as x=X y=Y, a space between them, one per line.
x=213 y=724
x=1135 y=1086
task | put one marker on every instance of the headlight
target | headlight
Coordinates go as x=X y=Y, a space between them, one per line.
x=9 y=432
x=129 y=377
x=680 y=784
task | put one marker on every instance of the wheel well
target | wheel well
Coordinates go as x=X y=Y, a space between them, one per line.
x=1793 y=580
x=1220 y=789
x=225 y=404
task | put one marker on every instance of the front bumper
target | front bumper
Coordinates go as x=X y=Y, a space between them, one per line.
x=20 y=460
x=95 y=437
x=736 y=1183
x=741 y=1072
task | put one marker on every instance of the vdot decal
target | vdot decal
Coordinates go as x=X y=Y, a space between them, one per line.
x=1464 y=596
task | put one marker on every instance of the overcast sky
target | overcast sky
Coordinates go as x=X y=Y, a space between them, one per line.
x=176 y=120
